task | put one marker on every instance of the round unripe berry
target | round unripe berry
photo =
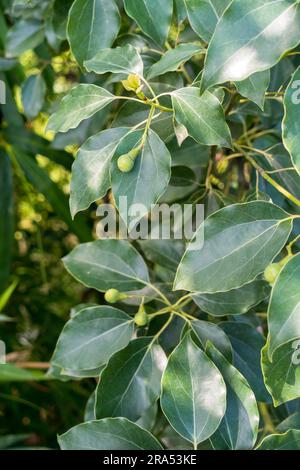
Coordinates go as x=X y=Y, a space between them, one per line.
x=112 y=296
x=271 y=272
x=141 y=317
x=125 y=163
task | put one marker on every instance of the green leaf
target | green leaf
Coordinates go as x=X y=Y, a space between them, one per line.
x=204 y=15
x=291 y=422
x=106 y=264
x=130 y=383
x=90 y=171
x=233 y=302
x=167 y=253
x=92 y=25
x=203 y=116
x=33 y=95
x=152 y=16
x=193 y=393
x=123 y=60
x=82 y=102
x=239 y=427
x=282 y=375
x=60 y=17
x=288 y=441
x=91 y=337
x=7 y=215
x=108 y=434
x=239 y=243
x=250 y=37
x=172 y=59
x=7 y=64
x=254 y=88
x=152 y=170
x=12 y=439
x=247 y=343
x=284 y=307
x=12 y=373
x=290 y=124
x=24 y=35
x=206 y=331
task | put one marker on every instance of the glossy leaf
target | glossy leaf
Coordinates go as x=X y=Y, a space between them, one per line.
x=124 y=59
x=209 y=332
x=203 y=116
x=284 y=307
x=193 y=393
x=152 y=16
x=167 y=253
x=108 y=434
x=130 y=383
x=91 y=337
x=204 y=15
x=172 y=59
x=33 y=95
x=239 y=427
x=90 y=171
x=247 y=344
x=82 y=102
x=233 y=302
x=24 y=35
x=256 y=33
x=254 y=88
x=288 y=441
x=239 y=243
x=106 y=264
x=152 y=170
x=92 y=25
x=290 y=125
x=282 y=375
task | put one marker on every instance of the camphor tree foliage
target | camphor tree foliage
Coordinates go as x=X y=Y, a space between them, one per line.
x=188 y=101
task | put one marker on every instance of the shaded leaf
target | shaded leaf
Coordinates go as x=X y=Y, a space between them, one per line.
x=123 y=60
x=92 y=25
x=172 y=59
x=91 y=337
x=82 y=102
x=239 y=243
x=193 y=393
x=203 y=116
x=152 y=16
x=90 y=171
x=105 y=264
x=108 y=434
x=233 y=302
x=288 y=441
x=239 y=427
x=130 y=383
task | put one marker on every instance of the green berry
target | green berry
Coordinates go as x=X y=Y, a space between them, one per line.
x=112 y=296
x=271 y=272
x=141 y=317
x=125 y=163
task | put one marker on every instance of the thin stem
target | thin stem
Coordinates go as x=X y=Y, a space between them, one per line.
x=290 y=246
x=269 y=425
x=147 y=102
x=161 y=294
x=270 y=180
